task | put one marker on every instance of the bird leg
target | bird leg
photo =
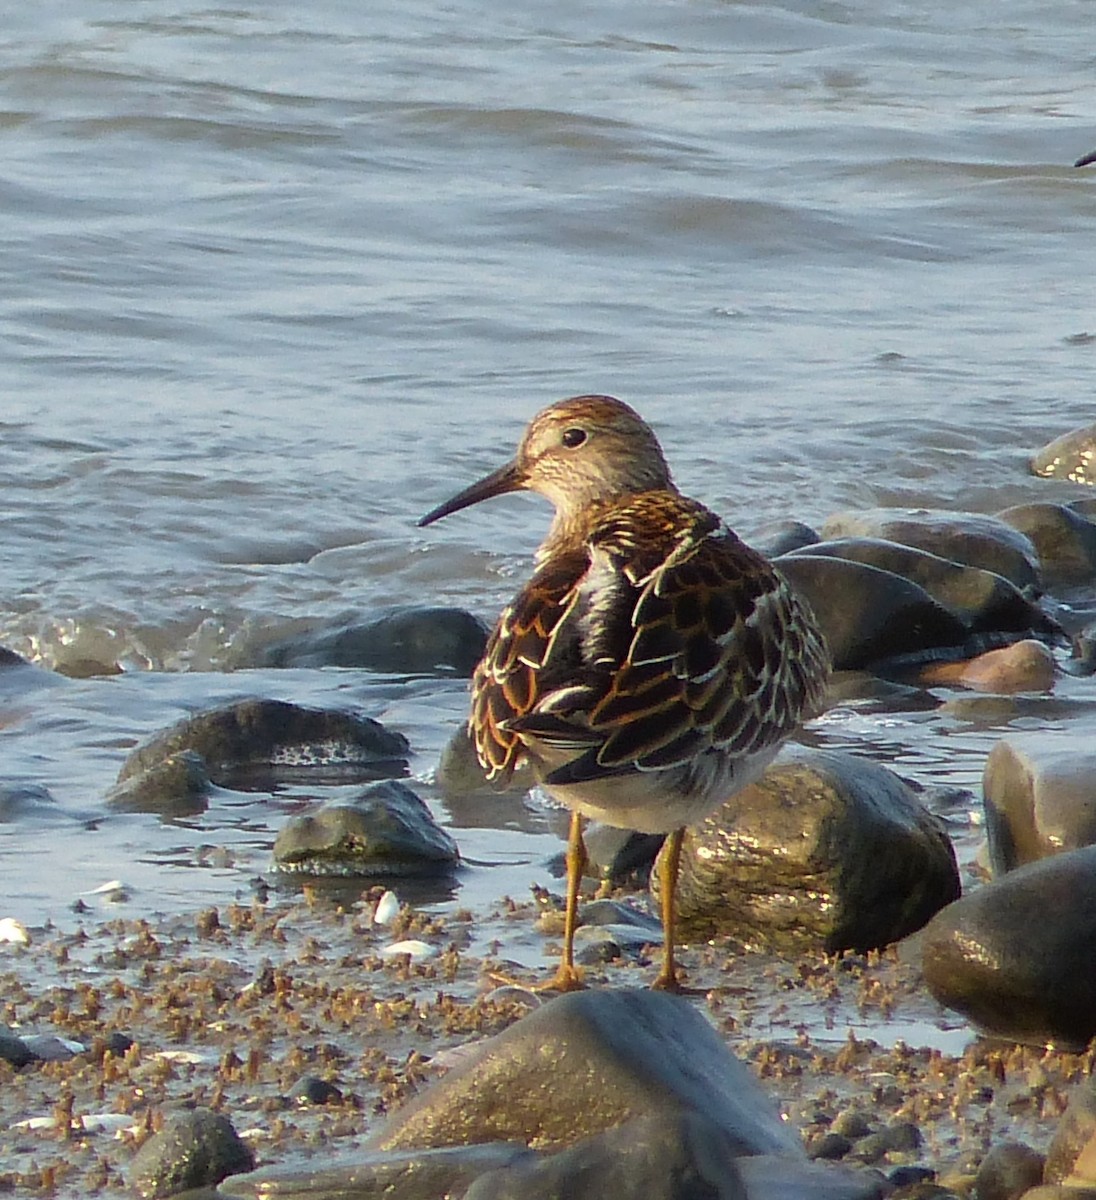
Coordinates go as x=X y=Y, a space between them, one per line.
x=568 y=978
x=667 y=980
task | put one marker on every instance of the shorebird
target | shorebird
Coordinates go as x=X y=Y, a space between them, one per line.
x=652 y=665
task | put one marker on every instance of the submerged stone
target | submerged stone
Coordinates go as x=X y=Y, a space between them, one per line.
x=385 y=830
x=276 y=737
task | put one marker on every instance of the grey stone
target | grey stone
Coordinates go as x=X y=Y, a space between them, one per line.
x=418 y=1175
x=588 y=1061
x=1076 y=1129
x=1015 y=956
x=984 y=601
x=386 y=829
x=971 y=538
x=1063 y=538
x=178 y=785
x=1007 y=1171
x=1039 y=794
x=410 y=641
x=870 y=616
x=827 y=851
x=274 y=737
x=194 y=1149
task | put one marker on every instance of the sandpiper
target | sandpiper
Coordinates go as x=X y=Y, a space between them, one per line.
x=652 y=665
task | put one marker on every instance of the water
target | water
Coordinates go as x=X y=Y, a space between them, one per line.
x=275 y=279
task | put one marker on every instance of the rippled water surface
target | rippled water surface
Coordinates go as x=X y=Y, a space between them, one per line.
x=276 y=279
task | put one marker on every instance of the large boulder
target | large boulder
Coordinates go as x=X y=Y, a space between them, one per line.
x=826 y=851
x=584 y=1063
x=1015 y=956
x=971 y=538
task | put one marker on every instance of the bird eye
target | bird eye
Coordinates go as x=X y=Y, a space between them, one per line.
x=573 y=438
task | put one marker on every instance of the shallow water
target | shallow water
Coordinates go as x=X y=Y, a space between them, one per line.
x=275 y=280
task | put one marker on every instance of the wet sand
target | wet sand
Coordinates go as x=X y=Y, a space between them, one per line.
x=230 y=1008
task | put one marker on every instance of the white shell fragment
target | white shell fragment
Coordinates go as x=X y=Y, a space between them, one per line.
x=388 y=906
x=419 y=951
x=13 y=932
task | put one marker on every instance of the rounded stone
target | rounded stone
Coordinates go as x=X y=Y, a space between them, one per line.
x=1015 y=956
x=386 y=829
x=1064 y=540
x=971 y=538
x=1071 y=456
x=1007 y=1171
x=1039 y=795
x=827 y=851
x=194 y=1149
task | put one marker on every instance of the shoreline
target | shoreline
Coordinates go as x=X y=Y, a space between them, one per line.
x=232 y=1008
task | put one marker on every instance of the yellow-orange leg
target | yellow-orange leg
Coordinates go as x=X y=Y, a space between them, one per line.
x=568 y=978
x=667 y=980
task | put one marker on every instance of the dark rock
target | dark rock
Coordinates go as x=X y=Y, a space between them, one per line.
x=906 y=1176
x=276 y=738
x=177 y=786
x=984 y=601
x=620 y=855
x=1039 y=793
x=1007 y=1171
x=14 y=1050
x=1069 y=456
x=419 y=1175
x=1015 y=956
x=194 y=1149
x=868 y=615
x=311 y=1089
x=1075 y=1131
x=971 y=538
x=829 y=1146
x=408 y=641
x=826 y=851
x=782 y=537
x=1063 y=538
x=585 y=1062
x=384 y=830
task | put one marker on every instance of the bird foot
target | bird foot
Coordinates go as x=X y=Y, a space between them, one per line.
x=566 y=979
x=673 y=985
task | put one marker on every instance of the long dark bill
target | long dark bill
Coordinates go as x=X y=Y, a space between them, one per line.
x=506 y=479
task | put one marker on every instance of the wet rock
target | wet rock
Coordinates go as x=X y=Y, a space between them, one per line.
x=420 y=1175
x=460 y=773
x=682 y=1156
x=194 y=1149
x=1026 y=666
x=868 y=615
x=384 y=830
x=1015 y=956
x=1064 y=540
x=984 y=601
x=620 y=855
x=826 y=851
x=588 y=1061
x=1076 y=1130
x=971 y=538
x=782 y=537
x=1070 y=456
x=274 y=737
x=1007 y=1171
x=18 y=800
x=14 y=1050
x=311 y=1089
x=410 y=641
x=177 y=786
x=1039 y=793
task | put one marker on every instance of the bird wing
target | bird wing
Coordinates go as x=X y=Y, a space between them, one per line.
x=532 y=644
x=714 y=653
